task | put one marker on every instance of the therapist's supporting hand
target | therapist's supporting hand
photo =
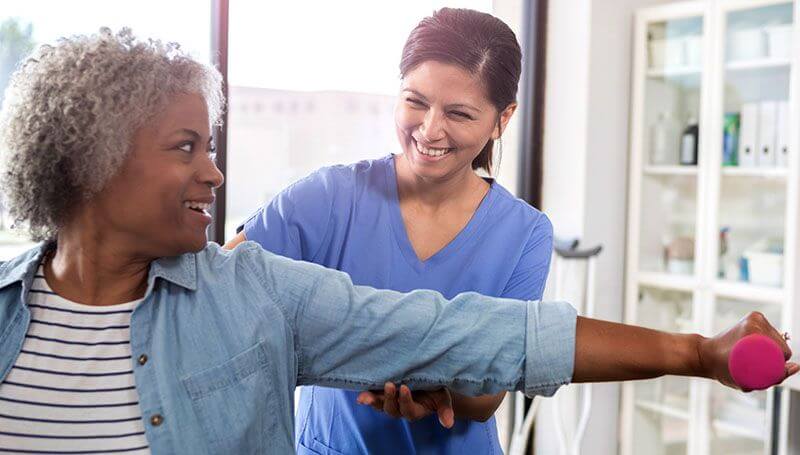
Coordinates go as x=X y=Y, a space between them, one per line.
x=402 y=402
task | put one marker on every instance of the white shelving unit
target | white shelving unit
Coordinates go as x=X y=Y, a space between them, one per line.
x=704 y=59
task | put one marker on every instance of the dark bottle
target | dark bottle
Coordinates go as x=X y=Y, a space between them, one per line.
x=689 y=141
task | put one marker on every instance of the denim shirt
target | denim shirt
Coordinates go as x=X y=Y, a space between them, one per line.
x=228 y=335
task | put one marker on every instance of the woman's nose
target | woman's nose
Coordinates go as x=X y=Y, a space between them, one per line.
x=210 y=173
x=432 y=128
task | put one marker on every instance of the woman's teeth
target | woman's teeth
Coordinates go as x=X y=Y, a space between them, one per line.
x=431 y=152
x=197 y=205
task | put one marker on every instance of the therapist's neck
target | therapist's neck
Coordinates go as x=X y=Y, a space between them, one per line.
x=94 y=265
x=440 y=192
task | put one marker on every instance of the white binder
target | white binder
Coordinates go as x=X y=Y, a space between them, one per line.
x=748 y=134
x=767 y=134
x=782 y=148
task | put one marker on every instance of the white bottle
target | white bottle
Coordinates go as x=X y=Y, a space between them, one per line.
x=662 y=140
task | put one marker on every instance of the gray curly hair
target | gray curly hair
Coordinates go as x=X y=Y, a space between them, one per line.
x=70 y=112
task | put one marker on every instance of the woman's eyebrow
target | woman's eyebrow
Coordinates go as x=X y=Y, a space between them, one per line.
x=195 y=135
x=411 y=90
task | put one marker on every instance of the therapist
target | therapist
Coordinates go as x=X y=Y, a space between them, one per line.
x=422 y=219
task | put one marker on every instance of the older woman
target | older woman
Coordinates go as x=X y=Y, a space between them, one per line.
x=124 y=331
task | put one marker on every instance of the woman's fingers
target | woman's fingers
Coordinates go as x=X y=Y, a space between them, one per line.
x=779 y=338
x=444 y=408
x=401 y=402
x=390 y=405
x=409 y=409
x=369 y=398
x=756 y=322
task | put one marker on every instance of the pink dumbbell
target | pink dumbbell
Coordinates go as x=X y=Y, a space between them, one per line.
x=756 y=362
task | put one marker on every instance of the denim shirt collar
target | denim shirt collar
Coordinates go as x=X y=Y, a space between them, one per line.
x=180 y=270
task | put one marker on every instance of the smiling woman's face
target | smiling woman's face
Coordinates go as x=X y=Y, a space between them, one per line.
x=161 y=196
x=444 y=119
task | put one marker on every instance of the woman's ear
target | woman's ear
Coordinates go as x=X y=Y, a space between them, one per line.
x=502 y=121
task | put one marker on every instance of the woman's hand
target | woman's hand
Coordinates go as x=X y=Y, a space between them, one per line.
x=411 y=405
x=609 y=351
x=713 y=352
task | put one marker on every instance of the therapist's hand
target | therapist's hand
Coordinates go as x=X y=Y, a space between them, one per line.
x=410 y=405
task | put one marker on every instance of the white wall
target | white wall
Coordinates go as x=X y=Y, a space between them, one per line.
x=510 y=11
x=587 y=99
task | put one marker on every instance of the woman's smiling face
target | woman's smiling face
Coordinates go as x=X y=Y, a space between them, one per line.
x=162 y=193
x=444 y=119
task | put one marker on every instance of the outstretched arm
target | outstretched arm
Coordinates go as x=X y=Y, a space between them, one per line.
x=607 y=351
x=357 y=337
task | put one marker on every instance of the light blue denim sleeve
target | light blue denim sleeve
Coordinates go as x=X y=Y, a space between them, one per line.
x=357 y=337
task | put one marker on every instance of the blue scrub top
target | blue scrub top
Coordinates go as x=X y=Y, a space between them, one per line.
x=348 y=218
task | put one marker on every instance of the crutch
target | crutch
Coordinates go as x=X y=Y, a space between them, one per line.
x=564 y=249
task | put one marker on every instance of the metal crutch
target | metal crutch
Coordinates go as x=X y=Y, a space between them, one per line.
x=523 y=421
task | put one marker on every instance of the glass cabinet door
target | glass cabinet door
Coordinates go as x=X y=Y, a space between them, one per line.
x=752 y=191
x=661 y=406
x=669 y=147
x=739 y=424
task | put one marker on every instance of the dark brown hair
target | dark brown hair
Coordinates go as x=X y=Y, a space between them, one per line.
x=477 y=42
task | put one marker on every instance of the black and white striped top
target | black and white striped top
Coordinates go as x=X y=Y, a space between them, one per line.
x=71 y=389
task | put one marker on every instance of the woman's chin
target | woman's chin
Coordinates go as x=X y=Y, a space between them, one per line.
x=190 y=243
x=198 y=244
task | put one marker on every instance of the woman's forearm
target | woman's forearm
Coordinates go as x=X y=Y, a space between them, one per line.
x=608 y=351
x=480 y=408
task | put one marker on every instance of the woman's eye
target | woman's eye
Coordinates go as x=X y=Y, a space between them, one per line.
x=414 y=102
x=462 y=115
x=186 y=147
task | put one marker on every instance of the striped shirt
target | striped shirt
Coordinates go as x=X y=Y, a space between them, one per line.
x=71 y=390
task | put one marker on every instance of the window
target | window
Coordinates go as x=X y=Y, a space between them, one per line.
x=311 y=84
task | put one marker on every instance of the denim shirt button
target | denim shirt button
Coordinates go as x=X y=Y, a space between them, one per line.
x=156 y=420
x=142 y=359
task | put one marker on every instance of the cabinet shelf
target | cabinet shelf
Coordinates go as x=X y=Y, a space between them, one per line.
x=757 y=64
x=686 y=283
x=777 y=173
x=660 y=408
x=674 y=72
x=748 y=292
x=738 y=430
x=670 y=170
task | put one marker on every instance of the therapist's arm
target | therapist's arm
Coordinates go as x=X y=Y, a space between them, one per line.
x=480 y=408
